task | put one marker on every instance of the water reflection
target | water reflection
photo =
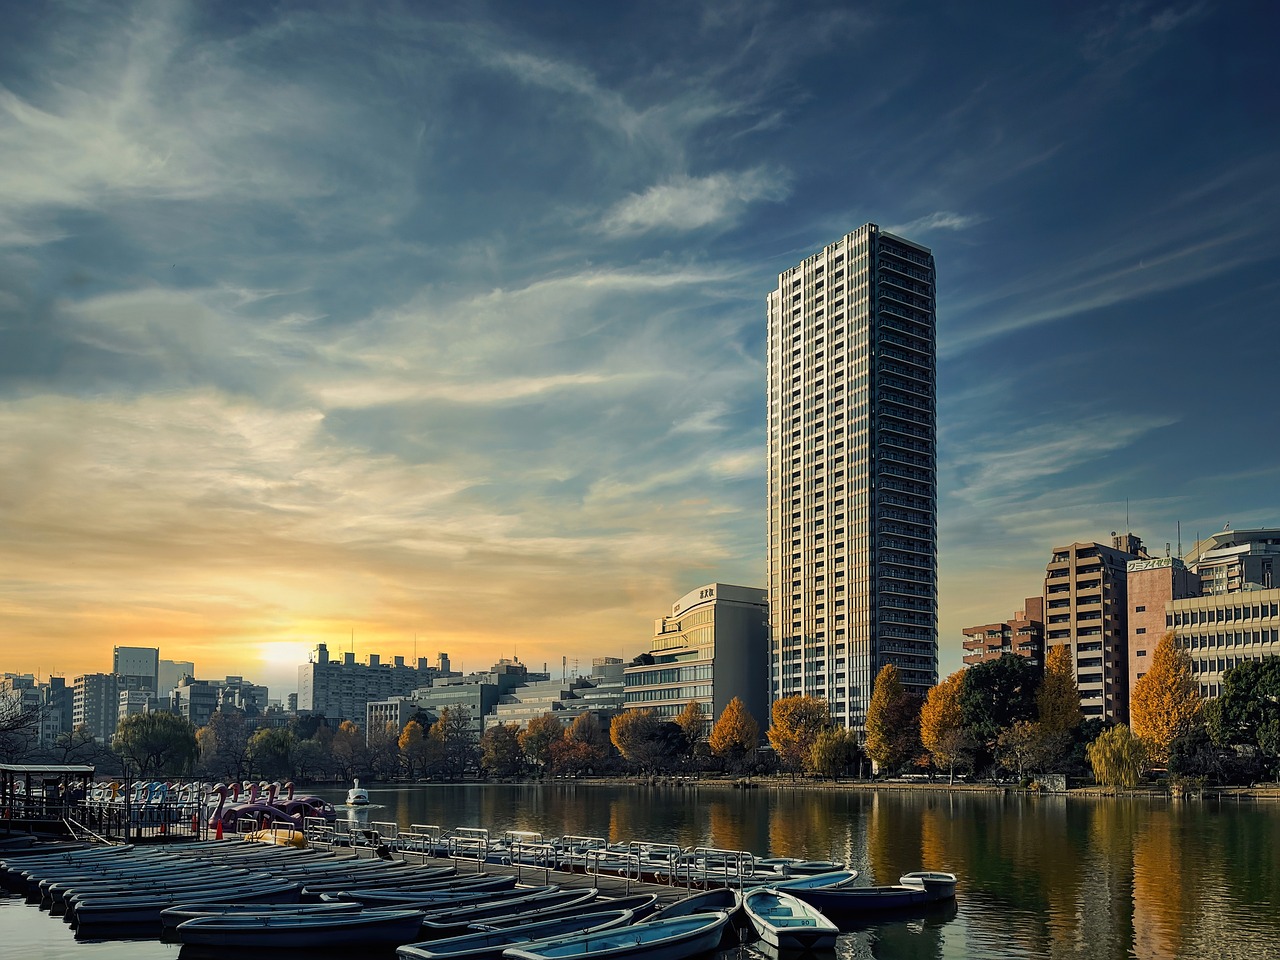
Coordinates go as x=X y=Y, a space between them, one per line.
x=1040 y=876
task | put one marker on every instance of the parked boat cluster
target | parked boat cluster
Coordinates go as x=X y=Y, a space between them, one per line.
x=246 y=894
x=228 y=806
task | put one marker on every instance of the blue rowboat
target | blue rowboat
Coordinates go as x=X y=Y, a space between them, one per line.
x=784 y=922
x=489 y=944
x=365 y=929
x=674 y=939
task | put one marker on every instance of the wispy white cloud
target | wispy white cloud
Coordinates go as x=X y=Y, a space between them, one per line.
x=939 y=220
x=690 y=203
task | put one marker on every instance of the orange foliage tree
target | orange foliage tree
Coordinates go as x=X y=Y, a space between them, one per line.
x=1165 y=702
x=942 y=731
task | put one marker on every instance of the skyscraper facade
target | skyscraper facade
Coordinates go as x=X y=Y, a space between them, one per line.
x=852 y=472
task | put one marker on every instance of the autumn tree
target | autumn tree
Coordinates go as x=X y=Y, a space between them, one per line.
x=691 y=722
x=942 y=731
x=645 y=739
x=224 y=745
x=1058 y=698
x=735 y=735
x=1117 y=757
x=539 y=736
x=589 y=740
x=893 y=722
x=796 y=723
x=834 y=753
x=454 y=741
x=350 y=755
x=156 y=744
x=1165 y=702
x=500 y=751
x=413 y=748
x=1022 y=748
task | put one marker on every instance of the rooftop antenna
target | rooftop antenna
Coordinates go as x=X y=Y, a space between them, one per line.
x=1179 y=539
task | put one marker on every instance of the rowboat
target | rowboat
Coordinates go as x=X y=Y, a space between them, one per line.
x=641 y=905
x=704 y=901
x=489 y=944
x=782 y=921
x=816 y=881
x=147 y=908
x=941 y=885
x=365 y=929
x=493 y=889
x=454 y=920
x=674 y=939
x=848 y=901
x=170 y=917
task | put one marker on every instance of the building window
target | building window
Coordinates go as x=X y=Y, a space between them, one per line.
x=1140 y=609
x=1142 y=630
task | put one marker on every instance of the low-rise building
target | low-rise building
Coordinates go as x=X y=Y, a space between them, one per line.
x=1022 y=634
x=1222 y=631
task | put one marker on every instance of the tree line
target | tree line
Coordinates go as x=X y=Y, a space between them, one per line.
x=1003 y=717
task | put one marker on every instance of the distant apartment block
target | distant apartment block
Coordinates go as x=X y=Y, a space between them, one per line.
x=196 y=700
x=1023 y=634
x=1236 y=560
x=1086 y=607
x=170 y=672
x=342 y=689
x=95 y=703
x=1151 y=585
x=140 y=666
x=714 y=646
x=1222 y=631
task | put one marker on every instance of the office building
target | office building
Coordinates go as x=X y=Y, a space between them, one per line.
x=1224 y=630
x=852 y=472
x=1022 y=634
x=713 y=647
x=1085 y=601
x=1150 y=586
x=170 y=672
x=1237 y=560
x=196 y=700
x=342 y=689
x=140 y=667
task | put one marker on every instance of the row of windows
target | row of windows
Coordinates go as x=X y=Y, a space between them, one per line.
x=1180 y=618
x=645 y=678
x=684 y=694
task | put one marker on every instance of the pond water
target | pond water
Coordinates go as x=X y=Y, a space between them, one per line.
x=1039 y=876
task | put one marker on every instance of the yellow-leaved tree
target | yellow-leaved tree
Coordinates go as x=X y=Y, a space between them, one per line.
x=1165 y=702
x=1117 y=757
x=893 y=722
x=942 y=730
x=735 y=735
x=797 y=721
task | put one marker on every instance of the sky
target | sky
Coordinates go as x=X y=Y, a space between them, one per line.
x=441 y=327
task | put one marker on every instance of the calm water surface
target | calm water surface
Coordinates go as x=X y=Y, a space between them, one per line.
x=1040 y=877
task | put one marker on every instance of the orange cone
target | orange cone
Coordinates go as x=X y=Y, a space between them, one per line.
x=218 y=833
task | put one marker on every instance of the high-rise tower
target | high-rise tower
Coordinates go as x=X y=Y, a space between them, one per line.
x=852 y=472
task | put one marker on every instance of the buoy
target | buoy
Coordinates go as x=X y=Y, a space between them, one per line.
x=218 y=834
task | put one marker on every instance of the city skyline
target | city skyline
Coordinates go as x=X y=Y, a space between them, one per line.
x=318 y=325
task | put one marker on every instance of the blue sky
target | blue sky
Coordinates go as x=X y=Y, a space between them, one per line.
x=446 y=321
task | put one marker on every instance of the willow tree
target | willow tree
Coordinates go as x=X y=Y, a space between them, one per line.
x=1165 y=702
x=1117 y=757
